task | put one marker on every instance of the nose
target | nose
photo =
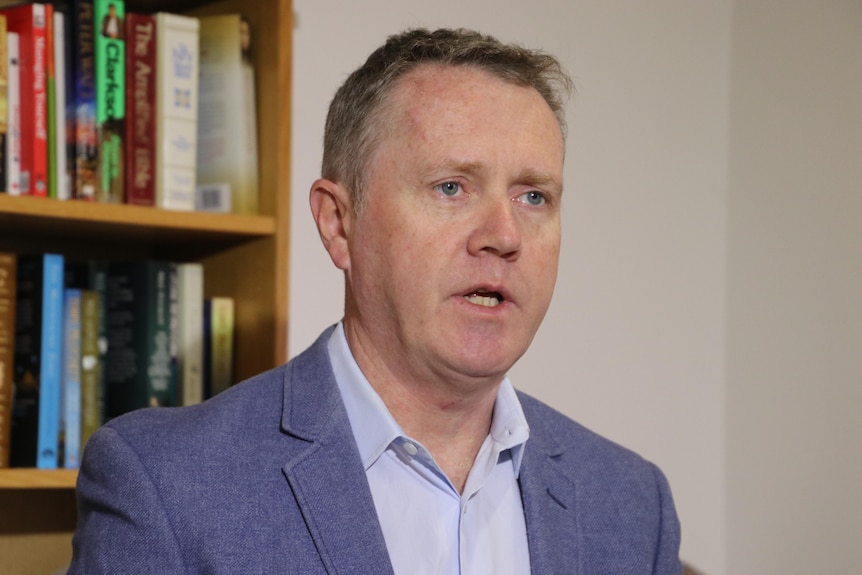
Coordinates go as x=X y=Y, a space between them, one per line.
x=497 y=230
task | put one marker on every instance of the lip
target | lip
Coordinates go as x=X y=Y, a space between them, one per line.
x=488 y=290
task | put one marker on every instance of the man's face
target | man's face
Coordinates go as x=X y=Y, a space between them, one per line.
x=453 y=259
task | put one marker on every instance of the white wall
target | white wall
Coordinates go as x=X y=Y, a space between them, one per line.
x=794 y=386
x=633 y=345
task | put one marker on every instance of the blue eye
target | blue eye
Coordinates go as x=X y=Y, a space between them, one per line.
x=532 y=198
x=448 y=188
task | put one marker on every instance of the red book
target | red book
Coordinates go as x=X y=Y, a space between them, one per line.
x=140 y=109
x=30 y=22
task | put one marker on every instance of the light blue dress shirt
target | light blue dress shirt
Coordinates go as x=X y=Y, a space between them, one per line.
x=428 y=526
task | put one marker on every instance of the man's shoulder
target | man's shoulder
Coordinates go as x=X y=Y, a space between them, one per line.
x=242 y=409
x=577 y=447
x=235 y=411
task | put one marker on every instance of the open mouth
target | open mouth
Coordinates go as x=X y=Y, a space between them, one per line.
x=484 y=298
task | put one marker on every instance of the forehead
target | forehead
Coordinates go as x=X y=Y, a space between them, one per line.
x=448 y=106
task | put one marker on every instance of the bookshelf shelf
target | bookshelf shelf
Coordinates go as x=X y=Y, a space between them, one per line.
x=38 y=478
x=244 y=257
x=32 y=224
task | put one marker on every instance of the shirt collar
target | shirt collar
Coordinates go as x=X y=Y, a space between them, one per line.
x=374 y=427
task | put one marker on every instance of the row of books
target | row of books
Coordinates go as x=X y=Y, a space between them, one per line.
x=101 y=104
x=82 y=342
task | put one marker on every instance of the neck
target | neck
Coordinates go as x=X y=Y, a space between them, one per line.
x=451 y=419
x=452 y=429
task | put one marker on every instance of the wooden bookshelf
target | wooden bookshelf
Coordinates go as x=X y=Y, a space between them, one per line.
x=244 y=257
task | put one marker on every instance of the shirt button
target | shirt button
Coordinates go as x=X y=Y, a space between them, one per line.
x=410 y=449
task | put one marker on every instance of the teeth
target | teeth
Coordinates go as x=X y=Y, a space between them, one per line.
x=487 y=301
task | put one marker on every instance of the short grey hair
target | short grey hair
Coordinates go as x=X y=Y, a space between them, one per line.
x=353 y=129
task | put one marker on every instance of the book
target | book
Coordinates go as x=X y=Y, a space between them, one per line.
x=13 y=108
x=190 y=298
x=38 y=347
x=140 y=109
x=92 y=388
x=91 y=277
x=110 y=98
x=8 y=263
x=218 y=344
x=81 y=127
x=4 y=105
x=58 y=175
x=227 y=163
x=70 y=430
x=177 y=110
x=50 y=102
x=138 y=363
x=29 y=22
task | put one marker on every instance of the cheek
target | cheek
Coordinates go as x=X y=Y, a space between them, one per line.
x=545 y=256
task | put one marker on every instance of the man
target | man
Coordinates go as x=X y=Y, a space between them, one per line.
x=396 y=443
x=112 y=25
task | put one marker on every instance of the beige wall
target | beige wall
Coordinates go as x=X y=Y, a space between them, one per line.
x=794 y=386
x=709 y=307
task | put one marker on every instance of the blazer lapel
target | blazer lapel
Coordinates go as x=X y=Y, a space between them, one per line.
x=550 y=511
x=325 y=472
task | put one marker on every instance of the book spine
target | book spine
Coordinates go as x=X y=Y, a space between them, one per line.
x=7 y=351
x=177 y=55
x=28 y=20
x=81 y=113
x=13 y=102
x=110 y=98
x=4 y=106
x=50 y=102
x=139 y=371
x=50 y=363
x=140 y=109
x=71 y=432
x=221 y=342
x=227 y=120
x=91 y=365
x=59 y=142
x=190 y=285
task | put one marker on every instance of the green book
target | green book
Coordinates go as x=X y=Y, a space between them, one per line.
x=110 y=97
x=138 y=367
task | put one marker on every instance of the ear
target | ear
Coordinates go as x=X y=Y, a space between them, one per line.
x=330 y=207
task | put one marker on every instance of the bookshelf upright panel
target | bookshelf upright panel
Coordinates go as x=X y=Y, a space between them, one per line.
x=244 y=257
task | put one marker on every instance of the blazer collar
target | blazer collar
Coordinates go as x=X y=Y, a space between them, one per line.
x=324 y=469
x=550 y=500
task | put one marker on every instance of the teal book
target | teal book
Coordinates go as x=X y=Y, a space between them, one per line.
x=110 y=98
x=139 y=366
x=38 y=356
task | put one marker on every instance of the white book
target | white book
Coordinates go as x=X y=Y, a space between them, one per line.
x=13 y=107
x=64 y=183
x=177 y=110
x=227 y=120
x=190 y=325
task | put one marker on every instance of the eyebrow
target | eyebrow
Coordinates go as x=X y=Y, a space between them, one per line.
x=526 y=177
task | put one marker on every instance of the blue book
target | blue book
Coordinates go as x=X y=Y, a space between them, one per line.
x=52 y=349
x=38 y=349
x=71 y=411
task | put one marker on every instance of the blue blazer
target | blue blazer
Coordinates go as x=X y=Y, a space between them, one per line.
x=266 y=478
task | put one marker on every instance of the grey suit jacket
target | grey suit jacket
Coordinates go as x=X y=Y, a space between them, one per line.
x=266 y=478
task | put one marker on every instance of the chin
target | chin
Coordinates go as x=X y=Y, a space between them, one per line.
x=485 y=366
